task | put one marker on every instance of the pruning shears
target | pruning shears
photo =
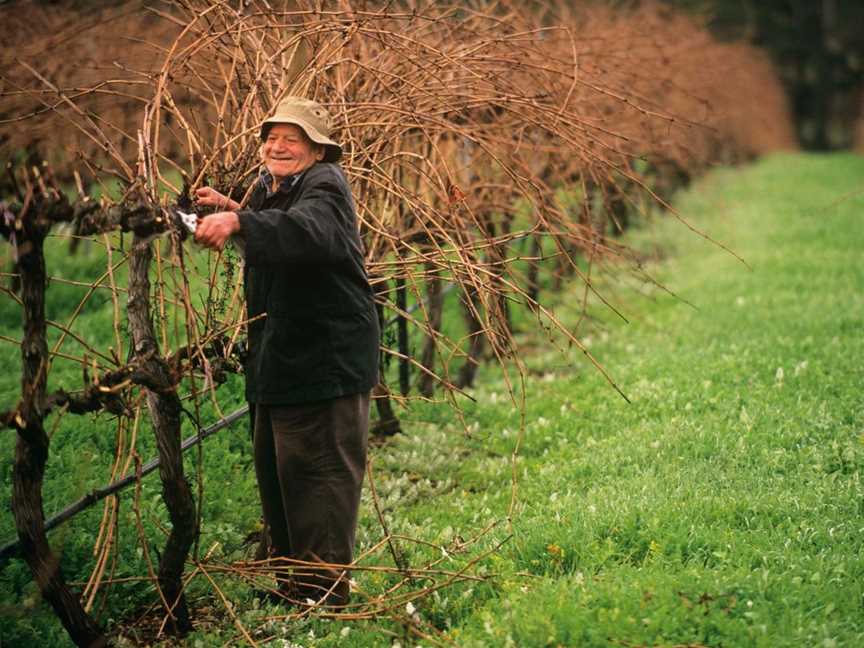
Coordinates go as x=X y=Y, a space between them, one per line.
x=189 y=221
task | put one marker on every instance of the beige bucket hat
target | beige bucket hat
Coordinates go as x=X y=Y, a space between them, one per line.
x=311 y=117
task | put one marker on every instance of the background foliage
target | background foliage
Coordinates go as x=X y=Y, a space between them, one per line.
x=818 y=48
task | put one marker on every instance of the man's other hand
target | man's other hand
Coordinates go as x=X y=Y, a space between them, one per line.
x=209 y=197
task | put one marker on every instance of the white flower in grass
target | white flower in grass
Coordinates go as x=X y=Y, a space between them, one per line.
x=409 y=608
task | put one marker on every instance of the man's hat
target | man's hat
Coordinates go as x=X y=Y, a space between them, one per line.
x=311 y=117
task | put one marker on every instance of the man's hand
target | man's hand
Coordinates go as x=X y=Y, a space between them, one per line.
x=209 y=197
x=214 y=230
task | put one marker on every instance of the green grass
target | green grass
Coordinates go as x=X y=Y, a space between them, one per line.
x=723 y=506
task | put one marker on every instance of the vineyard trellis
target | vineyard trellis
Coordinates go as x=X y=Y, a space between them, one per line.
x=488 y=145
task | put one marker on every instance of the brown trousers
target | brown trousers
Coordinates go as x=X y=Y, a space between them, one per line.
x=310 y=460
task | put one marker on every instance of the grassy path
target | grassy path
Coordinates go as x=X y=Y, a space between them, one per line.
x=725 y=506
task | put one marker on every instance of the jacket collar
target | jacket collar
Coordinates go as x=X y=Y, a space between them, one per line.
x=265 y=179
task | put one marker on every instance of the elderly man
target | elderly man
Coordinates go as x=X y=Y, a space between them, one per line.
x=313 y=343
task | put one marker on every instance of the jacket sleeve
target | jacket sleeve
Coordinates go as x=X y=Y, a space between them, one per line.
x=315 y=229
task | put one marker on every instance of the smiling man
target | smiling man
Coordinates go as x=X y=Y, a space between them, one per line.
x=313 y=344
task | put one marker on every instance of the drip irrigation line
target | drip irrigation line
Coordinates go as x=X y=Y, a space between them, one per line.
x=11 y=549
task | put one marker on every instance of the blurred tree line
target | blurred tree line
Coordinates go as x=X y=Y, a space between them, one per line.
x=818 y=48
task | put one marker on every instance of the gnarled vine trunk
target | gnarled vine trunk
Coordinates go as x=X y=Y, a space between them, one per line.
x=31 y=451
x=434 y=317
x=165 y=413
x=388 y=423
x=470 y=305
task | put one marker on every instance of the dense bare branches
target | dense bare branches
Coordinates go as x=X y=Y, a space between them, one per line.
x=450 y=116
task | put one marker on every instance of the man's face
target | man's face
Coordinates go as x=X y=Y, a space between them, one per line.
x=288 y=151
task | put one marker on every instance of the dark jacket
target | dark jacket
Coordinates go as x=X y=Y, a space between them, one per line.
x=304 y=269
